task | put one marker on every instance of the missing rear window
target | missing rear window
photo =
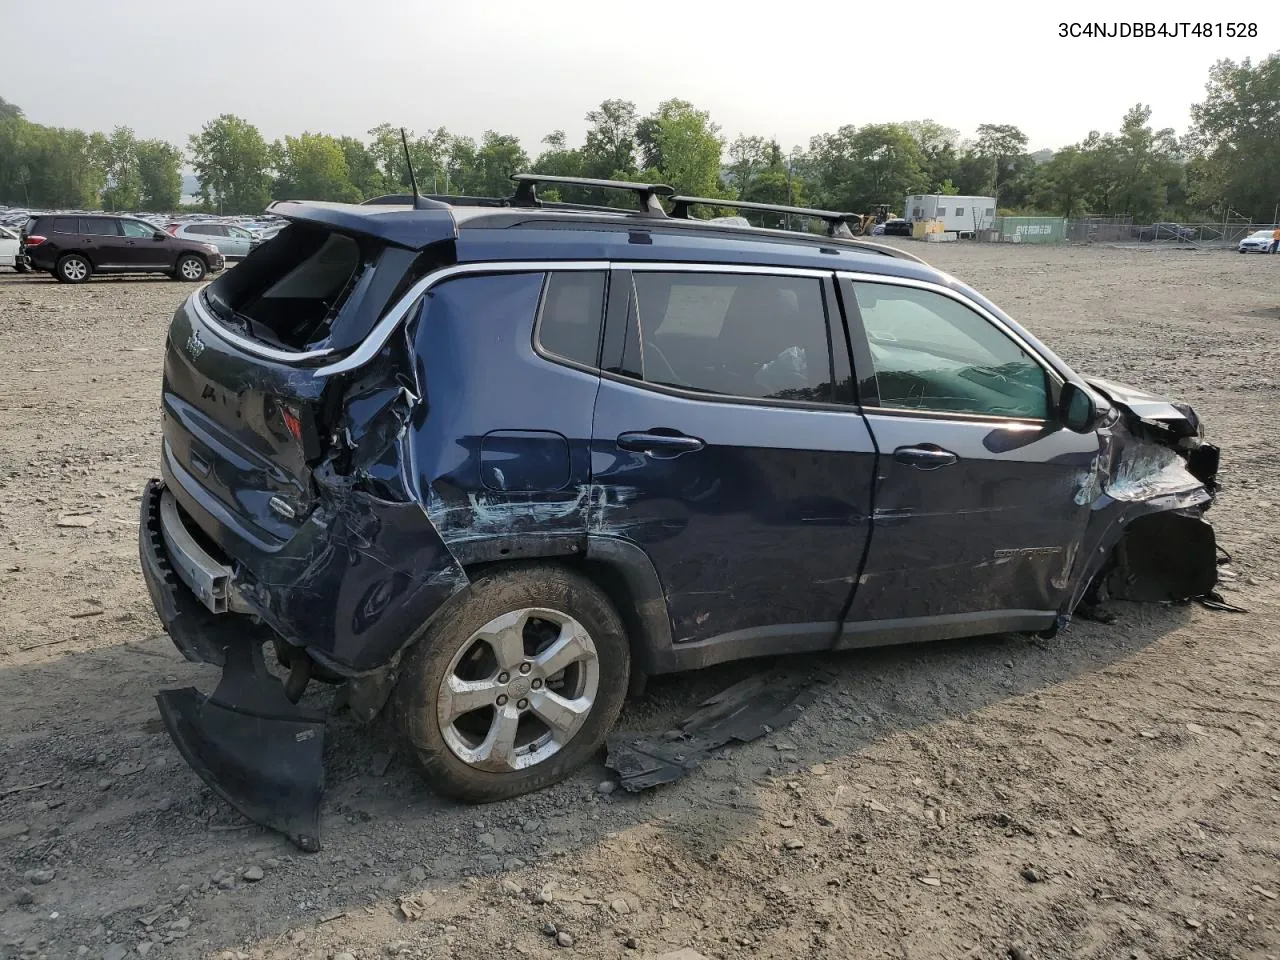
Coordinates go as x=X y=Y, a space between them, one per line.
x=291 y=291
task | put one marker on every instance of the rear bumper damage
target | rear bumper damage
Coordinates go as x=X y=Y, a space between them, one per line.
x=248 y=740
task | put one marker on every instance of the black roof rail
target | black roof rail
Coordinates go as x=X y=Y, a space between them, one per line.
x=836 y=221
x=647 y=194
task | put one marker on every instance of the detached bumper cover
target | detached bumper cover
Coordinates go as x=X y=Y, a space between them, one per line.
x=247 y=741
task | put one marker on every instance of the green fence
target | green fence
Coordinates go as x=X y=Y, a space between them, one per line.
x=1030 y=229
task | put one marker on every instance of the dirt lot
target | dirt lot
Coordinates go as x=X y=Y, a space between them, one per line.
x=1111 y=793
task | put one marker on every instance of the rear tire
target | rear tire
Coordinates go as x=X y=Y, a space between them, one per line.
x=190 y=268
x=72 y=268
x=510 y=624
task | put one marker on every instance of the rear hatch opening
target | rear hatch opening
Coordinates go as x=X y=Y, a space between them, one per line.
x=293 y=291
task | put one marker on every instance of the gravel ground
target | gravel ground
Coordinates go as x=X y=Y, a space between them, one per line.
x=1111 y=793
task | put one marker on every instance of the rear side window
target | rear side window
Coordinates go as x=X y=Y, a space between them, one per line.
x=64 y=225
x=741 y=335
x=572 y=314
x=100 y=226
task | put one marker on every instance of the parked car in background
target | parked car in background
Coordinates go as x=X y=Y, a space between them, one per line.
x=11 y=254
x=897 y=227
x=1165 y=231
x=73 y=248
x=1257 y=242
x=234 y=242
x=267 y=231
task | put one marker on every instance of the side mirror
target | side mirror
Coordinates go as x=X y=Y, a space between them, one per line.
x=159 y=236
x=1077 y=410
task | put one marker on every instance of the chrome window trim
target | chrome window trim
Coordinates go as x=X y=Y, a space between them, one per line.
x=383 y=329
x=220 y=330
x=377 y=338
x=648 y=266
x=964 y=301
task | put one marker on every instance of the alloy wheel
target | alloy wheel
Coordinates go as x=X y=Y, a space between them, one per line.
x=518 y=690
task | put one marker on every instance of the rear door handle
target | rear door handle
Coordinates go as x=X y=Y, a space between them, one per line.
x=925 y=456
x=660 y=446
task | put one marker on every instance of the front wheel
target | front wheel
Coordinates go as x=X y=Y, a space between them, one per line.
x=190 y=268
x=515 y=685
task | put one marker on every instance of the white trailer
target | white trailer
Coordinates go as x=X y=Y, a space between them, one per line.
x=963 y=215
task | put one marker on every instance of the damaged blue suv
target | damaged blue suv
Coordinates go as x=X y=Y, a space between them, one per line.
x=492 y=461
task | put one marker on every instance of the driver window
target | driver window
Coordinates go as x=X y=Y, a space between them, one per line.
x=136 y=228
x=931 y=352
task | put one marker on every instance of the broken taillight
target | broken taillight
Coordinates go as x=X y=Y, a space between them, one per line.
x=292 y=423
x=34 y=240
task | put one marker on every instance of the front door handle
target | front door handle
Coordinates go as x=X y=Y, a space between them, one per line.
x=660 y=446
x=925 y=456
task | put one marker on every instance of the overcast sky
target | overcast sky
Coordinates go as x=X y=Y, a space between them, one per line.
x=788 y=70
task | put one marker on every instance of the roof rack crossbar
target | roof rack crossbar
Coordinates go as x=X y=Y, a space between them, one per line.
x=647 y=194
x=837 y=222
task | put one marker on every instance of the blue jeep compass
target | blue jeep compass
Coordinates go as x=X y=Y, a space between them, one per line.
x=493 y=461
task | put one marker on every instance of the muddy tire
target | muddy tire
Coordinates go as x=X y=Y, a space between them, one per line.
x=515 y=685
x=72 y=268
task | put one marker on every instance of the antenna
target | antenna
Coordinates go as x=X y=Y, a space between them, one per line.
x=408 y=162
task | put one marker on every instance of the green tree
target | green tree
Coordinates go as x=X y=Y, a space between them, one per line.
x=1064 y=183
x=159 y=176
x=748 y=156
x=857 y=169
x=9 y=111
x=51 y=166
x=682 y=148
x=938 y=150
x=1235 y=134
x=362 y=168
x=312 y=166
x=1144 y=163
x=558 y=160
x=610 y=147
x=232 y=161
x=124 y=183
x=430 y=154
x=997 y=164
x=460 y=166
x=498 y=157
